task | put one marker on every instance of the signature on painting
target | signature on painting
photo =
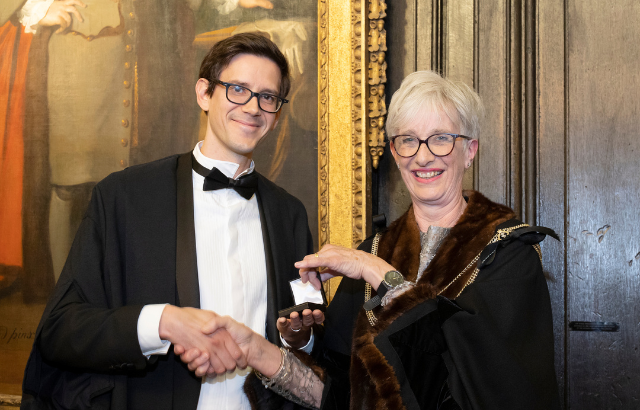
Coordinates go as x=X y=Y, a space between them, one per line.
x=8 y=335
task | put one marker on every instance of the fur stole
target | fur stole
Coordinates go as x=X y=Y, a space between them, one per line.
x=373 y=381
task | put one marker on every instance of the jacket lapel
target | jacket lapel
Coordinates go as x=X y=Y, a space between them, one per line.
x=186 y=261
x=271 y=329
x=270 y=222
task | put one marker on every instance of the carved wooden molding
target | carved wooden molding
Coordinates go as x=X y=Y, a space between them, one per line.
x=351 y=114
x=323 y=123
x=358 y=115
x=377 y=78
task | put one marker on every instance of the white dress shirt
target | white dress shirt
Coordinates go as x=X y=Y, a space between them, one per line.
x=231 y=271
x=231 y=274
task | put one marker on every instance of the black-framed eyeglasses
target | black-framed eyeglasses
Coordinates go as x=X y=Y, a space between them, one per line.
x=240 y=95
x=440 y=145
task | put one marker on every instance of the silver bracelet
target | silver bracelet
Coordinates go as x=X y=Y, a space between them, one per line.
x=270 y=381
x=281 y=381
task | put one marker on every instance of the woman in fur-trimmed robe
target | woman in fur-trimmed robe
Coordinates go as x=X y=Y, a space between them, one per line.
x=446 y=309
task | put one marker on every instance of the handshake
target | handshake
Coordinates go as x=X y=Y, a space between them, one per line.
x=211 y=344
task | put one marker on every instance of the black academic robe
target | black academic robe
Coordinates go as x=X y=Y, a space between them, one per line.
x=456 y=340
x=136 y=246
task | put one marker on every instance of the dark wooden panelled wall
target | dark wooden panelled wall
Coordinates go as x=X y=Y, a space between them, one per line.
x=560 y=144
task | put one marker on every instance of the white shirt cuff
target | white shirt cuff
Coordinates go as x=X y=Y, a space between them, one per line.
x=149 y=333
x=306 y=348
x=32 y=12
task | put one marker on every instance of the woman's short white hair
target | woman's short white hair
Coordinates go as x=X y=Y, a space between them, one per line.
x=427 y=90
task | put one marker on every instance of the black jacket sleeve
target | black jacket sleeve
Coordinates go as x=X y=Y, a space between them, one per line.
x=81 y=328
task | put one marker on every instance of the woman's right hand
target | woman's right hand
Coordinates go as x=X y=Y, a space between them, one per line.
x=333 y=260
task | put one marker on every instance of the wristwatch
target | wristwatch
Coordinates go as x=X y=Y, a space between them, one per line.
x=392 y=279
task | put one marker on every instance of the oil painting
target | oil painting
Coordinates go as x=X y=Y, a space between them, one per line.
x=91 y=87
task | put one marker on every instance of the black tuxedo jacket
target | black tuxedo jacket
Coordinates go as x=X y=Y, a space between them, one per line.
x=136 y=246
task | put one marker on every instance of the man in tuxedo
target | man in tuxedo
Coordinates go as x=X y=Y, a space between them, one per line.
x=167 y=246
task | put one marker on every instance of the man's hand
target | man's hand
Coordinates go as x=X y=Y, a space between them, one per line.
x=59 y=14
x=296 y=331
x=183 y=328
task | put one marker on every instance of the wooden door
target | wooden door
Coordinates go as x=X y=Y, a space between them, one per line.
x=596 y=162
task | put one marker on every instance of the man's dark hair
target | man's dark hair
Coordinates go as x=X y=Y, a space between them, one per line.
x=221 y=54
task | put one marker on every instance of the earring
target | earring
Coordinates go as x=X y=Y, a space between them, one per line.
x=398 y=165
x=468 y=164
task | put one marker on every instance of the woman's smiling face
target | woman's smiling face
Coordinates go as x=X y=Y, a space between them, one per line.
x=431 y=180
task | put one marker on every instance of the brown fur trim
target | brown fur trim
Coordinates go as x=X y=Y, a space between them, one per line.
x=250 y=390
x=384 y=390
x=373 y=381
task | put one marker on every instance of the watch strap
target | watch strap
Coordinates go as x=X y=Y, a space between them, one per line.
x=382 y=289
x=377 y=299
x=372 y=303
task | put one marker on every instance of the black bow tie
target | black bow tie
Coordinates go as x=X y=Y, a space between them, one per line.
x=214 y=179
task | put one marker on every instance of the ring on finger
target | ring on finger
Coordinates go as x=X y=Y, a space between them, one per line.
x=296 y=330
x=317 y=256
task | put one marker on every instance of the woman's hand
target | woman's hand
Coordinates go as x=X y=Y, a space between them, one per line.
x=334 y=260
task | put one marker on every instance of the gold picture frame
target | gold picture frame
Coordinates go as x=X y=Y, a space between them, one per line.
x=351 y=115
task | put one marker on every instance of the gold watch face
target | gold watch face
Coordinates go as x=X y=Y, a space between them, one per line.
x=393 y=278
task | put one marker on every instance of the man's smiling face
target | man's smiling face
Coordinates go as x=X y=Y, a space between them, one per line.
x=234 y=131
